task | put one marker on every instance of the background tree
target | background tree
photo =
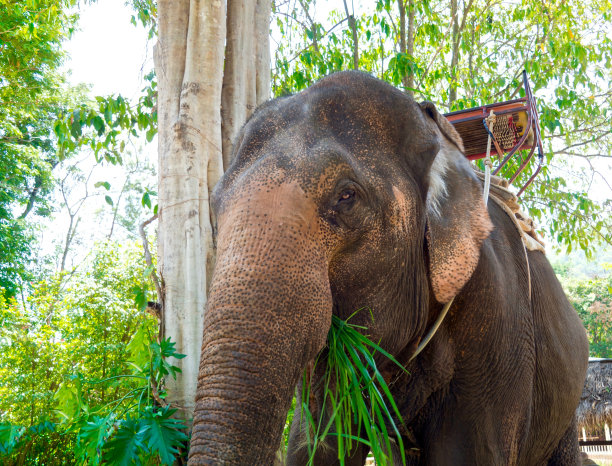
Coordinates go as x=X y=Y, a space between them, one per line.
x=588 y=286
x=592 y=299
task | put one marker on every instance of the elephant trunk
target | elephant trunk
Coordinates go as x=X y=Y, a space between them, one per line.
x=268 y=314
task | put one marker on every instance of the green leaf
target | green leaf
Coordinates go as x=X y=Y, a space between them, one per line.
x=105 y=184
x=92 y=438
x=140 y=297
x=161 y=351
x=108 y=200
x=139 y=347
x=9 y=437
x=150 y=134
x=99 y=125
x=146 y=200
x=148 y=271
x=68 y=399
x=162 y=434
x=75 y=124
x=108 y=114
x=124 y=446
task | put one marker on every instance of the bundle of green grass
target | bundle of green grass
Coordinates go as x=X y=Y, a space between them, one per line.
x=358 y=394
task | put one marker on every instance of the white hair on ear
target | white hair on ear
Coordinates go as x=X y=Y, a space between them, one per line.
x=437 y=184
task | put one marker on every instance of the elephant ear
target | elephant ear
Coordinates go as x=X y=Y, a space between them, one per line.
x=457 y=218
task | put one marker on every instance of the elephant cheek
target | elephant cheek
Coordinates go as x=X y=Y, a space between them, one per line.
x=268 y=314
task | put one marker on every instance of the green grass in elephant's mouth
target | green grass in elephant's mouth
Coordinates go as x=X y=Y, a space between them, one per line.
x=356 y=392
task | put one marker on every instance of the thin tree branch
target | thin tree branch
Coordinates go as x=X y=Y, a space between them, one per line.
x=292 y=18
x=149 y=261
x=353 y=25
x=583 y=129
x=310 y=45
x=585 y=156
x=392 y=21
x=584 y=143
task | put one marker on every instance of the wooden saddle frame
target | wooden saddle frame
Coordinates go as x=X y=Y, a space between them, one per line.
x=517 y=127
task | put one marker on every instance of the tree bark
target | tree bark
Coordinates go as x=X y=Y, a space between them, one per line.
x=402 y=18
x=410 y=45
x=353 y=25
x=407 y=41
x=189 y=66
x=246 y=81
x=262 y=56
x=452 y=93
x=456 y=40
x=238 y=56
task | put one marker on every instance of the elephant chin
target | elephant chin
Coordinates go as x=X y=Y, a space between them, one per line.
x=268 y=314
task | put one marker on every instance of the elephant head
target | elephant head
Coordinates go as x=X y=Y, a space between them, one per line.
x=347 y=195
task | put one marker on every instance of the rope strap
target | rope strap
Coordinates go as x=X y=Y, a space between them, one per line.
x=489 y=122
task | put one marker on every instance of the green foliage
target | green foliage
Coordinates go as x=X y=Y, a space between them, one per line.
x=126 y=443
x=152 y=435
x=360 y=400
x=145 y=12
x=162 y=434
x=84 y=362
x=106 y=125
x=43 y=121
x=32 y=94
x=592 y=299
x=38 y=444
x=567 y=58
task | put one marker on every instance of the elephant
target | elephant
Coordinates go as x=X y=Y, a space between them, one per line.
x=350 y=195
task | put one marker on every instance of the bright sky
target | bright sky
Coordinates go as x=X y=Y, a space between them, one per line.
x=108 y=51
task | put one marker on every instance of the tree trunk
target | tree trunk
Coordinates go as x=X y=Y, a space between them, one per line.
x=402 y=19
x=189 y=62
x=458 y=29
x=410 y=45
x=407 y=41
x=262 y=55
x=246 y=82
x=452 y=93
x=189 y=66
x=353 y=26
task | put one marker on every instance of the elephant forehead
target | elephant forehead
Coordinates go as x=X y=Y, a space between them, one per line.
x=354 y=111
x=315 y=167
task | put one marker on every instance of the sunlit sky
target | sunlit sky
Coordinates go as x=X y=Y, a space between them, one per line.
x=109 y=52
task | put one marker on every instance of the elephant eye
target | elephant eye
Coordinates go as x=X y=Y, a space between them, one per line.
x=346 y=195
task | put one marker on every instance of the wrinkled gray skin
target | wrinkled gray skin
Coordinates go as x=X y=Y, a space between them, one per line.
x=351 y=195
